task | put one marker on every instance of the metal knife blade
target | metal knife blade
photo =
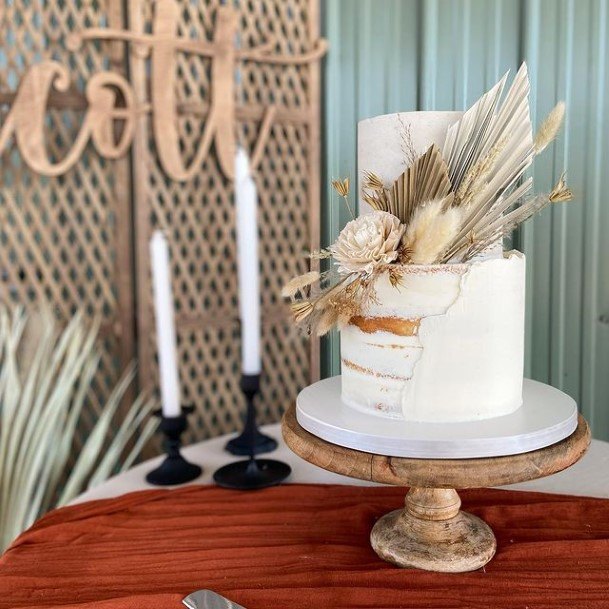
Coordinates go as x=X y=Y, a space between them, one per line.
x=207 y=599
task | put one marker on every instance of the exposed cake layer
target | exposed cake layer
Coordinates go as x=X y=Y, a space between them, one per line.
x=447 y=344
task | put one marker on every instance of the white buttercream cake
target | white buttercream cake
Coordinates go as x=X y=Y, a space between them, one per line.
x=447 y=343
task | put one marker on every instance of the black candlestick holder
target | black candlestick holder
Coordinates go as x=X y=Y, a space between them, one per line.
x=174 y=469
x=251 y=473
x=241 y=445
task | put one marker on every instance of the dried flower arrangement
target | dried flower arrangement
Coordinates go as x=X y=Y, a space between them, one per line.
x=449 y=206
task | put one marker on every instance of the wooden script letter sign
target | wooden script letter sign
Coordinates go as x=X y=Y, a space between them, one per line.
x=104 y=90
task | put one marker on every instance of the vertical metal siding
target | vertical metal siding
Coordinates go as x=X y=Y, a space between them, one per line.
x=391 y=55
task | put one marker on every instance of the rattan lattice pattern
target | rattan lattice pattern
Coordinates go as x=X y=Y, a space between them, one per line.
x=71 y=240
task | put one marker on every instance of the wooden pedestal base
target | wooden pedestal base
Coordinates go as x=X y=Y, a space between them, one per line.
x=432 y=533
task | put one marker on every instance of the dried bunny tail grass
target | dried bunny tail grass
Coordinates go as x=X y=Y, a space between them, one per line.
x=327 y=319
x=298 y=283
x=561 y=192
x=549 y=128
x=431 y=231
x=301 y=310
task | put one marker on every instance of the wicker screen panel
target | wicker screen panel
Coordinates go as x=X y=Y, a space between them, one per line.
x=63 y=239
x=198 y=215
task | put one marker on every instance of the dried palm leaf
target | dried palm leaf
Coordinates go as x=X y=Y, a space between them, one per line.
x=506 y=223
x=426 y=179
x=464 y=139
x=505 y=135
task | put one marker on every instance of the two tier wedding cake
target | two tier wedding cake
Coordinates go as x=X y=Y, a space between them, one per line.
x=429 y=306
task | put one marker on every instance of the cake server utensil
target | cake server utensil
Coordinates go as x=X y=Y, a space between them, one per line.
x=208 y=599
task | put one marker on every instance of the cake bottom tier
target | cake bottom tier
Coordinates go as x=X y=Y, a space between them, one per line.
x=445 y=345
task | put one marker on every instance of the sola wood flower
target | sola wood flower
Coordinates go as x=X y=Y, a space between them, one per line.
x=367 y=243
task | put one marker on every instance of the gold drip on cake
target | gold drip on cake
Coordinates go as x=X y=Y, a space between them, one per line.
x=394 y=325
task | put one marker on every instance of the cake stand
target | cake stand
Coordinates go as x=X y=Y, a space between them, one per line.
x=432 y=532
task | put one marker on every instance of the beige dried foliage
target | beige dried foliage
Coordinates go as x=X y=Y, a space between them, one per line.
x=372 y=181
x=406 y=143
x=549 y=128
x=301 y=310
x=475 y=179
x=561 y=192
x=326 y=321
x=341 y=187
x=320 y=254
x=431 y=231
x=292 y=287
x=426 y=179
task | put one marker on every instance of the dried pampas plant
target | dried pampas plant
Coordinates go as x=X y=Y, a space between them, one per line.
x=432 y=229
x=46 y=375
x=548 y=130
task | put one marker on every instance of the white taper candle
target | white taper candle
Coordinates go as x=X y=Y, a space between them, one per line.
x=246 y=204
x=165 y=326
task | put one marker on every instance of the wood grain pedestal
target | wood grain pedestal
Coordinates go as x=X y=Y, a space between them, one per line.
x=431 y=532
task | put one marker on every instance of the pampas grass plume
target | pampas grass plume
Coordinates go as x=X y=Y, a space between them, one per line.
x=431 y=231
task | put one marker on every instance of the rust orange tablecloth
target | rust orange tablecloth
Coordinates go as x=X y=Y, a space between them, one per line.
x=299 y=546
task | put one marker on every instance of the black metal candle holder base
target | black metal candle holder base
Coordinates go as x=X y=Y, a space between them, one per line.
x=240 y=445
x=251 y=473
x=174 y=469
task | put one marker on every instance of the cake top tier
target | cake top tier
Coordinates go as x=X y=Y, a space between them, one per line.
x=384 y=143
x=439 y=188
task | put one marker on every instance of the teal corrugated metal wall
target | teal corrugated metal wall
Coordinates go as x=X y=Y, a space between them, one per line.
x=398 y=55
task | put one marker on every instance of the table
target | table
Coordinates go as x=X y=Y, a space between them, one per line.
x=589 y=477
x=299 y=546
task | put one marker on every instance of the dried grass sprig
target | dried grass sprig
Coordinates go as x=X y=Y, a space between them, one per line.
x=561 y=192
x=406 y=143
x=475 y=178
x=506 y=223
x=372 y=181
x=342 y=188
x=549 y=128
x=301 y=310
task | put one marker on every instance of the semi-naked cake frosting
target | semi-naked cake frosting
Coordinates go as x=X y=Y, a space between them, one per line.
x=447 y=343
